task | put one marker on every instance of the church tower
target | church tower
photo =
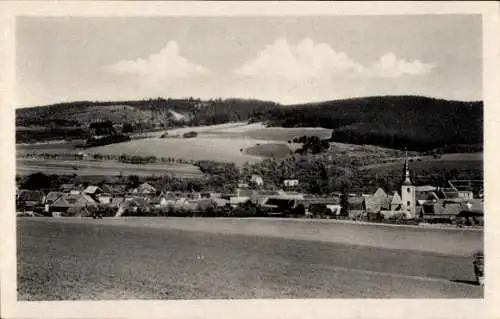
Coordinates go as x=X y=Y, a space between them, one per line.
x=408 y=192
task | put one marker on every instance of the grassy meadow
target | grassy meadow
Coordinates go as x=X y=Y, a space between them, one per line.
x=119 y=259
x=233 y=142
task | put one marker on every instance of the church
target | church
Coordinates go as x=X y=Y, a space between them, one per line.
x=408 y=193
x=416 y=201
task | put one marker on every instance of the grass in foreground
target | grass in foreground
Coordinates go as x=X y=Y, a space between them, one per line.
x=83 y=261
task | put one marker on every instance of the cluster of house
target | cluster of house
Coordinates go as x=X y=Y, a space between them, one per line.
x=80 y=200
x=420 y=201
x=412 y=201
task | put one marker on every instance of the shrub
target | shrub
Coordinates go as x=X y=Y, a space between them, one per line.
x=397 y=217
x=190 y=134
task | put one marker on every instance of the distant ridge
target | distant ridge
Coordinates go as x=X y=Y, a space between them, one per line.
x=416 y=122
x=396 y=121
x=354 y=99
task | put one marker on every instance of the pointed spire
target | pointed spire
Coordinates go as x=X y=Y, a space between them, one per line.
x=407 y=180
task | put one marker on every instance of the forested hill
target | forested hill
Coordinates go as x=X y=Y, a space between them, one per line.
x=416 y=122
x=419 y=123
x=148 y=112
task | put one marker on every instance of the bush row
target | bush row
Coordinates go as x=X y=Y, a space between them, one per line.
x=135 y=159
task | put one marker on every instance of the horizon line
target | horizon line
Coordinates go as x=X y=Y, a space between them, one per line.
x=246 y=98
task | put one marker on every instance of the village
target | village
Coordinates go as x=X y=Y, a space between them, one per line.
x=248 y=154
x=412 y=204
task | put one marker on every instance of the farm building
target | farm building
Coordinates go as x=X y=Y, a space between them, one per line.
x=238 y=200
x=355 y=206
x=170 y=196
x=29 y=199
x=453 y=207
x=132 y=206
x=321 y=207
x=92 y=190
x=114 y=189
x=447 y=193
x=52 y=197
x=104 y=199
x=66 y=201
x=144 y=188
x=282 y=206
x=257 y=180
x=396 y=201
x=290 y=182
x=71 y=188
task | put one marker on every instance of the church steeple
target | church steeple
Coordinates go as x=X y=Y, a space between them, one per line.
x=407 y=180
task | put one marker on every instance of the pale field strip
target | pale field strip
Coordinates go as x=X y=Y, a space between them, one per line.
x=457 y=242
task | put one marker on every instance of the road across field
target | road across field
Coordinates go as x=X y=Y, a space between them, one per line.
x=61 y=259
x=104 y=168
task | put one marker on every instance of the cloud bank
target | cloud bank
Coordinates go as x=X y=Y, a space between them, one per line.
x=282 y=72
x=307 y=60
x=166 y=65
x=390 y=66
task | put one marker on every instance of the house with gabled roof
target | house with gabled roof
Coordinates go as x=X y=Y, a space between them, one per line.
x=447 y=193
x=170 y=196
x=452 y=207
x=426 y=197
x=356 y=206
x=380 y=193
x=145 y=189
x=52 y=197
x=104 y=199
x=396 y=202
x=372 y=204
x=114 y=189
x=92 y=190
x=63 y=203
x=29 y=199
x=71 y=188
x=257 y=180
x=290 y=182
x=377 y=202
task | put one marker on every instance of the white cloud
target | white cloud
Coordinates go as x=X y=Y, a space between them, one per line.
x=390 y=66
x=162 y=66
x=306 y=61
x=303 y=61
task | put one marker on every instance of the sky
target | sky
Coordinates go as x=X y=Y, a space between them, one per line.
x=287 y=59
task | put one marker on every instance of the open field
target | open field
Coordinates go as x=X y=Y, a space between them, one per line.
x=277 y=150
x=202 y=129
x=198 y=148
x=168 y=258
x=105 y=168
x=260 y=132
x=57 y=147
x=452 y=160
x=240 y=142
x=223 y=142
x=471 y=161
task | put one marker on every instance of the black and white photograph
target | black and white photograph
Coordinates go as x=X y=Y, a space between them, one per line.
x=248 y=156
